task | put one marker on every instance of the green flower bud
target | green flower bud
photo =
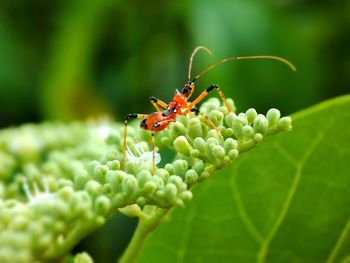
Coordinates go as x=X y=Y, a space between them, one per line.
x=165 y=140
x=119 y=200
x=204 y=175
x=198 y=166
x=81 y=204
x=230 y=144
x=285 y=123
x=131 y=210
x=92 y=165
x=248 y=131
x=213 y=133
x=133 y=167
x=93 y=187
x=130 y=185
x=50 y=168
x=230 y=104
x=199 y=144
x=186 y=196
x=191 y=177
x=160 y=194
x=180 y=167
x=178 y=129
x=210 y=104
x=181 y=145
x=102 y=205
x=211 y=141
x=113 y=165
x=149 y=187
x=65 y=193
x=99 y=172
x=241 y=119
x=273 y=116
x=107 y=189
x=162 y=173
x=251 y=115
x=158 y=180
x=83 y=258
x=61 y=183
x=170 y=191
x=114 y=179
x=227 y=160
x=184 y=119
x=229 y=118
x=195 y=128
x=258 y=137
x=32 y=171
x=177 y=180
x=260 y=124
x=196 y=153
x=178 y=202
x=216 y=117
x=218 y=152
x=233 y=154
x=237 y=127
x=210 y=169
x=81 y=177
x=227 y=132
x=170 y=168
x=141 y=201
x=143 y=177
x=111 y=155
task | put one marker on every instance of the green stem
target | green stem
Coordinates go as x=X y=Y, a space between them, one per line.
x=143 y=230
x=74 y=236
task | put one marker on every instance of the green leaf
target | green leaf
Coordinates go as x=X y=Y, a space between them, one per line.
x=286 y=201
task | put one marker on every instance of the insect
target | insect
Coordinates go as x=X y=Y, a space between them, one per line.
x=166 y=113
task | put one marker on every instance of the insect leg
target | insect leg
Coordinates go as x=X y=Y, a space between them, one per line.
x=154 y=143
x=210 y=123
x=127 y=117
x=157 y=102
x=205 y=93
x=153 y=146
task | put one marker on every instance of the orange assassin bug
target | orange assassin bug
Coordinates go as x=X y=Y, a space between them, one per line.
x=180 y=105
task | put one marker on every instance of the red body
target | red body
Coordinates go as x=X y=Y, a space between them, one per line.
x=158 y=121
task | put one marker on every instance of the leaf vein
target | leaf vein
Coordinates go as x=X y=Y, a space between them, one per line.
x=185 y=236
x=247 y=222
x=283 y=212
x=339 y=242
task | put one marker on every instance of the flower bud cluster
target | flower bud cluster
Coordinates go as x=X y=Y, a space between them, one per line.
x=59 y=182
x=206 y=150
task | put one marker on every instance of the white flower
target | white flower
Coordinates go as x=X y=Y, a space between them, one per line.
x=36 y=195
x=140 y=155
x=100 y=127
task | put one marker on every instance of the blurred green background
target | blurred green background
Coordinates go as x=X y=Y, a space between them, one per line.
x=75 y=59
x=68 y=60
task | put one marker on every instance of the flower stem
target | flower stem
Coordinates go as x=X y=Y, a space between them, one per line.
x=143 y=230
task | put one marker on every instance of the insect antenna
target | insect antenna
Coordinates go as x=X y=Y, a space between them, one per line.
x=192 y=56
x=289 y=64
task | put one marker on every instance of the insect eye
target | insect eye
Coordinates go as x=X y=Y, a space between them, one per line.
x=143 y=124
x=185 y=90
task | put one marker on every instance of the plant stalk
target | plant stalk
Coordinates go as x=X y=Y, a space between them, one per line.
x=143 y=230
